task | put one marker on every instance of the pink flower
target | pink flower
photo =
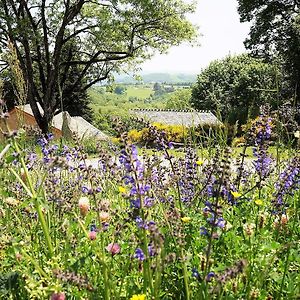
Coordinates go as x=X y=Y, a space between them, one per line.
x=113 y=248
x=92 y=235
x=58 y=296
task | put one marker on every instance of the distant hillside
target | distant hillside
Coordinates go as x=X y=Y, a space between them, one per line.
x=158 y=77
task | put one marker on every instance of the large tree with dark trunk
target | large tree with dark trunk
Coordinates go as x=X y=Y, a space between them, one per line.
x=109 y=35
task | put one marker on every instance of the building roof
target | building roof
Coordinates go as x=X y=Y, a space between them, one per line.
x=75 y=125
x=188 y=118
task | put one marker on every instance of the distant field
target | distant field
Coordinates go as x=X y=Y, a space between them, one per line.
x=139 y=92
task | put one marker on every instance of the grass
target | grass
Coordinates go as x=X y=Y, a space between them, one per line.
x=140 y=92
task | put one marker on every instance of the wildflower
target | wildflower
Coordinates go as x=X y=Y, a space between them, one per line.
x=84 y=205
x=104 y=216
x=199 y=162
x=258 y=202
x=236 y=194
x=151 y=250
x=122 y=190
x=196 y=274
x=139 y=254
x=210 y=276
x=113 y=248
x=203 y=231
x=138 y=297
x=92 y=235
x=185 y=219
x=288 y=183
x=11 y=201
x=93 y=227
x=58 y=296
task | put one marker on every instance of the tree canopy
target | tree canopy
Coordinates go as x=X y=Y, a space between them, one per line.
x=109 y=35
x=275 y=32
x=235 y=87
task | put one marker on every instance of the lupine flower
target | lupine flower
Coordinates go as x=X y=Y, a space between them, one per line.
x=113 y=248
x=84 y=205
x=139 y=254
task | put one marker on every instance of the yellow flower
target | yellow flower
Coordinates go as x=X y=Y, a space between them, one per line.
x=138 y=297
x=185 y=219
x=199 y=162
x=258 y=202
x=236 y=194
x=122 y=190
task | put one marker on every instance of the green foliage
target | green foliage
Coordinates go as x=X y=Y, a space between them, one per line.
x=275 y=33
x=120 y=90
x=180 y=99
x=235 y=87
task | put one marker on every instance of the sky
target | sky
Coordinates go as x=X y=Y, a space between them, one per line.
x=221 y=34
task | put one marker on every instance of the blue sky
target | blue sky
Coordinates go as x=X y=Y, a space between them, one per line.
x=222 y=34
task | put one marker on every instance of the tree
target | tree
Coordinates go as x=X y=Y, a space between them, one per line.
x=75 y=99
x=235 y=87
x=275 y=32
x=120 y=90
x=180 y=99
x=109 y=35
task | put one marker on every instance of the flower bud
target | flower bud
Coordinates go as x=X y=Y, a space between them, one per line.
x=92 y=235
x=113 y=248
x=84 y=205
x=58 y=296
x=104 y=216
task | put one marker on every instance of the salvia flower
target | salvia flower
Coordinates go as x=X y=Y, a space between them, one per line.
x=139 y=254
x=289 y=182
x=210 y=276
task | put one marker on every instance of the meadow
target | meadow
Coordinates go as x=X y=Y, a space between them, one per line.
x=149 y=226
